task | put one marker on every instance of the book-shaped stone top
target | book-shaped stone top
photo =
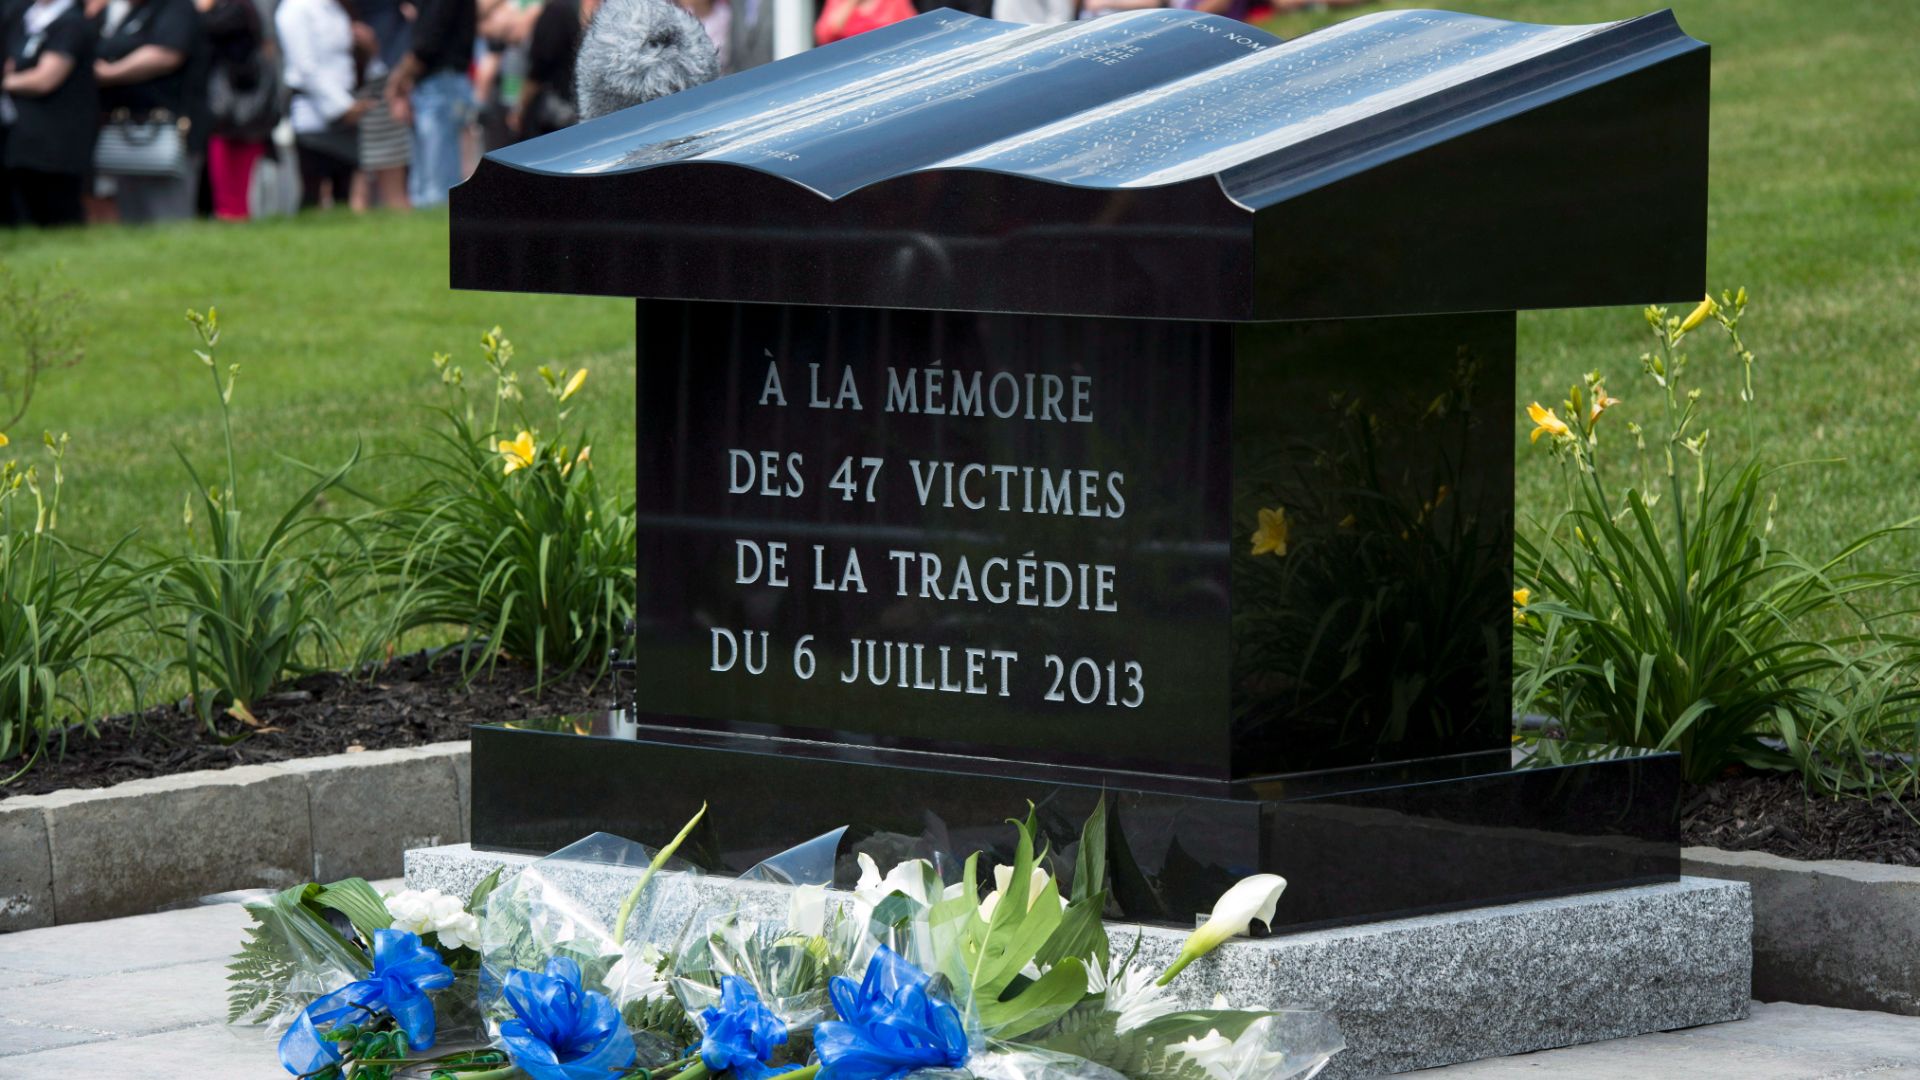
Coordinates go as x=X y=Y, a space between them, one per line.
x=950 y=150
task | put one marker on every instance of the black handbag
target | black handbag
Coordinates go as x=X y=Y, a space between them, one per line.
x=247 y=104
x=340 y=142
x=151 y=145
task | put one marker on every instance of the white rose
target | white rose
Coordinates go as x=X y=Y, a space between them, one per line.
x=460 y=931
x=411 y=910
x=443 y=908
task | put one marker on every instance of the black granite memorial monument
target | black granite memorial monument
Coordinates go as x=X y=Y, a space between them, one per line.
x=1123 y=407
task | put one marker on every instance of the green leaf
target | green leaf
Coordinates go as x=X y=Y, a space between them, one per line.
x=1089 y=1031
x=359 y=902
x=1013 y=939
x=894 y=910
x=1039 y=1003
x=1194 y=1024
x=1090 y=863
x=477 y=900
x=290 y=935
x=1001 y=947
x=1081 y=934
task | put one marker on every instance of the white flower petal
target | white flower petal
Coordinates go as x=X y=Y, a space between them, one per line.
x=869 y=874
x=1252 y=899
x=807 y=910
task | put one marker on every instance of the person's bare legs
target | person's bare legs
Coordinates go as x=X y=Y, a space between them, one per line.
x=392 y=187
x=362 y=187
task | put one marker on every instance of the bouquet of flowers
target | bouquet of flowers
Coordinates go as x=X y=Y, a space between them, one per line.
x=775 y=975
x=356 y=982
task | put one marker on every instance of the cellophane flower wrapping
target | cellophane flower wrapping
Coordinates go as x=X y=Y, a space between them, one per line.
x=771 y=930
x=704 y=956
x=298 y=951
x=568 y=905
x=684 y=935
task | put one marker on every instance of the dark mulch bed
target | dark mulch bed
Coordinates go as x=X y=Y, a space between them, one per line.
x=1772 y=812
x=419 y=699
x=411 y=701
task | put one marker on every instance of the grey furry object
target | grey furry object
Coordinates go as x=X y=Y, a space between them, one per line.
x=637 y=50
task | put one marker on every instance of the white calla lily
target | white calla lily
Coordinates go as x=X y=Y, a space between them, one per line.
x=1003 y=877
x=807 y=910
x=1234 y=914
x=908 y=878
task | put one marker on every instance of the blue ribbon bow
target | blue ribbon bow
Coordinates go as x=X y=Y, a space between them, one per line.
x=741 y=1032
x=404 y=969
x=561 y=1030
x=890 y=1024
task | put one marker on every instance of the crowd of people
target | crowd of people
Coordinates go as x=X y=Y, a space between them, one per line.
x=155 y=110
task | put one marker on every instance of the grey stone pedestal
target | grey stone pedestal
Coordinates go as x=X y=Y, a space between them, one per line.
x=1416 y=993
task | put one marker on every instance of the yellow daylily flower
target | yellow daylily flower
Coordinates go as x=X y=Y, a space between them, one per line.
x=1521 y=598
x=573 y=384
x=1545 y=422
x=583 y=458
x=517 y=452
x=3 y=439
x=1271 y=536
x=1699 y=315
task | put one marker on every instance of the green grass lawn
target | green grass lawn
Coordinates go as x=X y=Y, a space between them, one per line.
x=333 y=320
x=1815 y=207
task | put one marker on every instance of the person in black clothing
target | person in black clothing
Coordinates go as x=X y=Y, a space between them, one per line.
x=245 y=101
x=547 y=95
x=429 y=89
x=152 y=67
x=49 y=77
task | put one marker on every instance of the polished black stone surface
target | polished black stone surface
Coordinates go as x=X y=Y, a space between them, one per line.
x=1158 y=163
x=1210 y=342
x=1030 y=537
x=1356 y=846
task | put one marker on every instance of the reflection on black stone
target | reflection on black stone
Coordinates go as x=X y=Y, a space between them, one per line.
x=1356 y=845
x=1378 y=630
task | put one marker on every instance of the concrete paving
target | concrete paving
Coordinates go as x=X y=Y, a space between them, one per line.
x=145 y=997
x=1776 y=1042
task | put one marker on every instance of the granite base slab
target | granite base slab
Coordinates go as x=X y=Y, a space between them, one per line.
x=1409 y=993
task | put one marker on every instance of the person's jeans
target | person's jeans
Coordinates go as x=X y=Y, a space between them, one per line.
x=442 y=104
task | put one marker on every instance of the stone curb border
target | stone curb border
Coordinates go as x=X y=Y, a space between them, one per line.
x=136 y=847
x=1832 y=933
